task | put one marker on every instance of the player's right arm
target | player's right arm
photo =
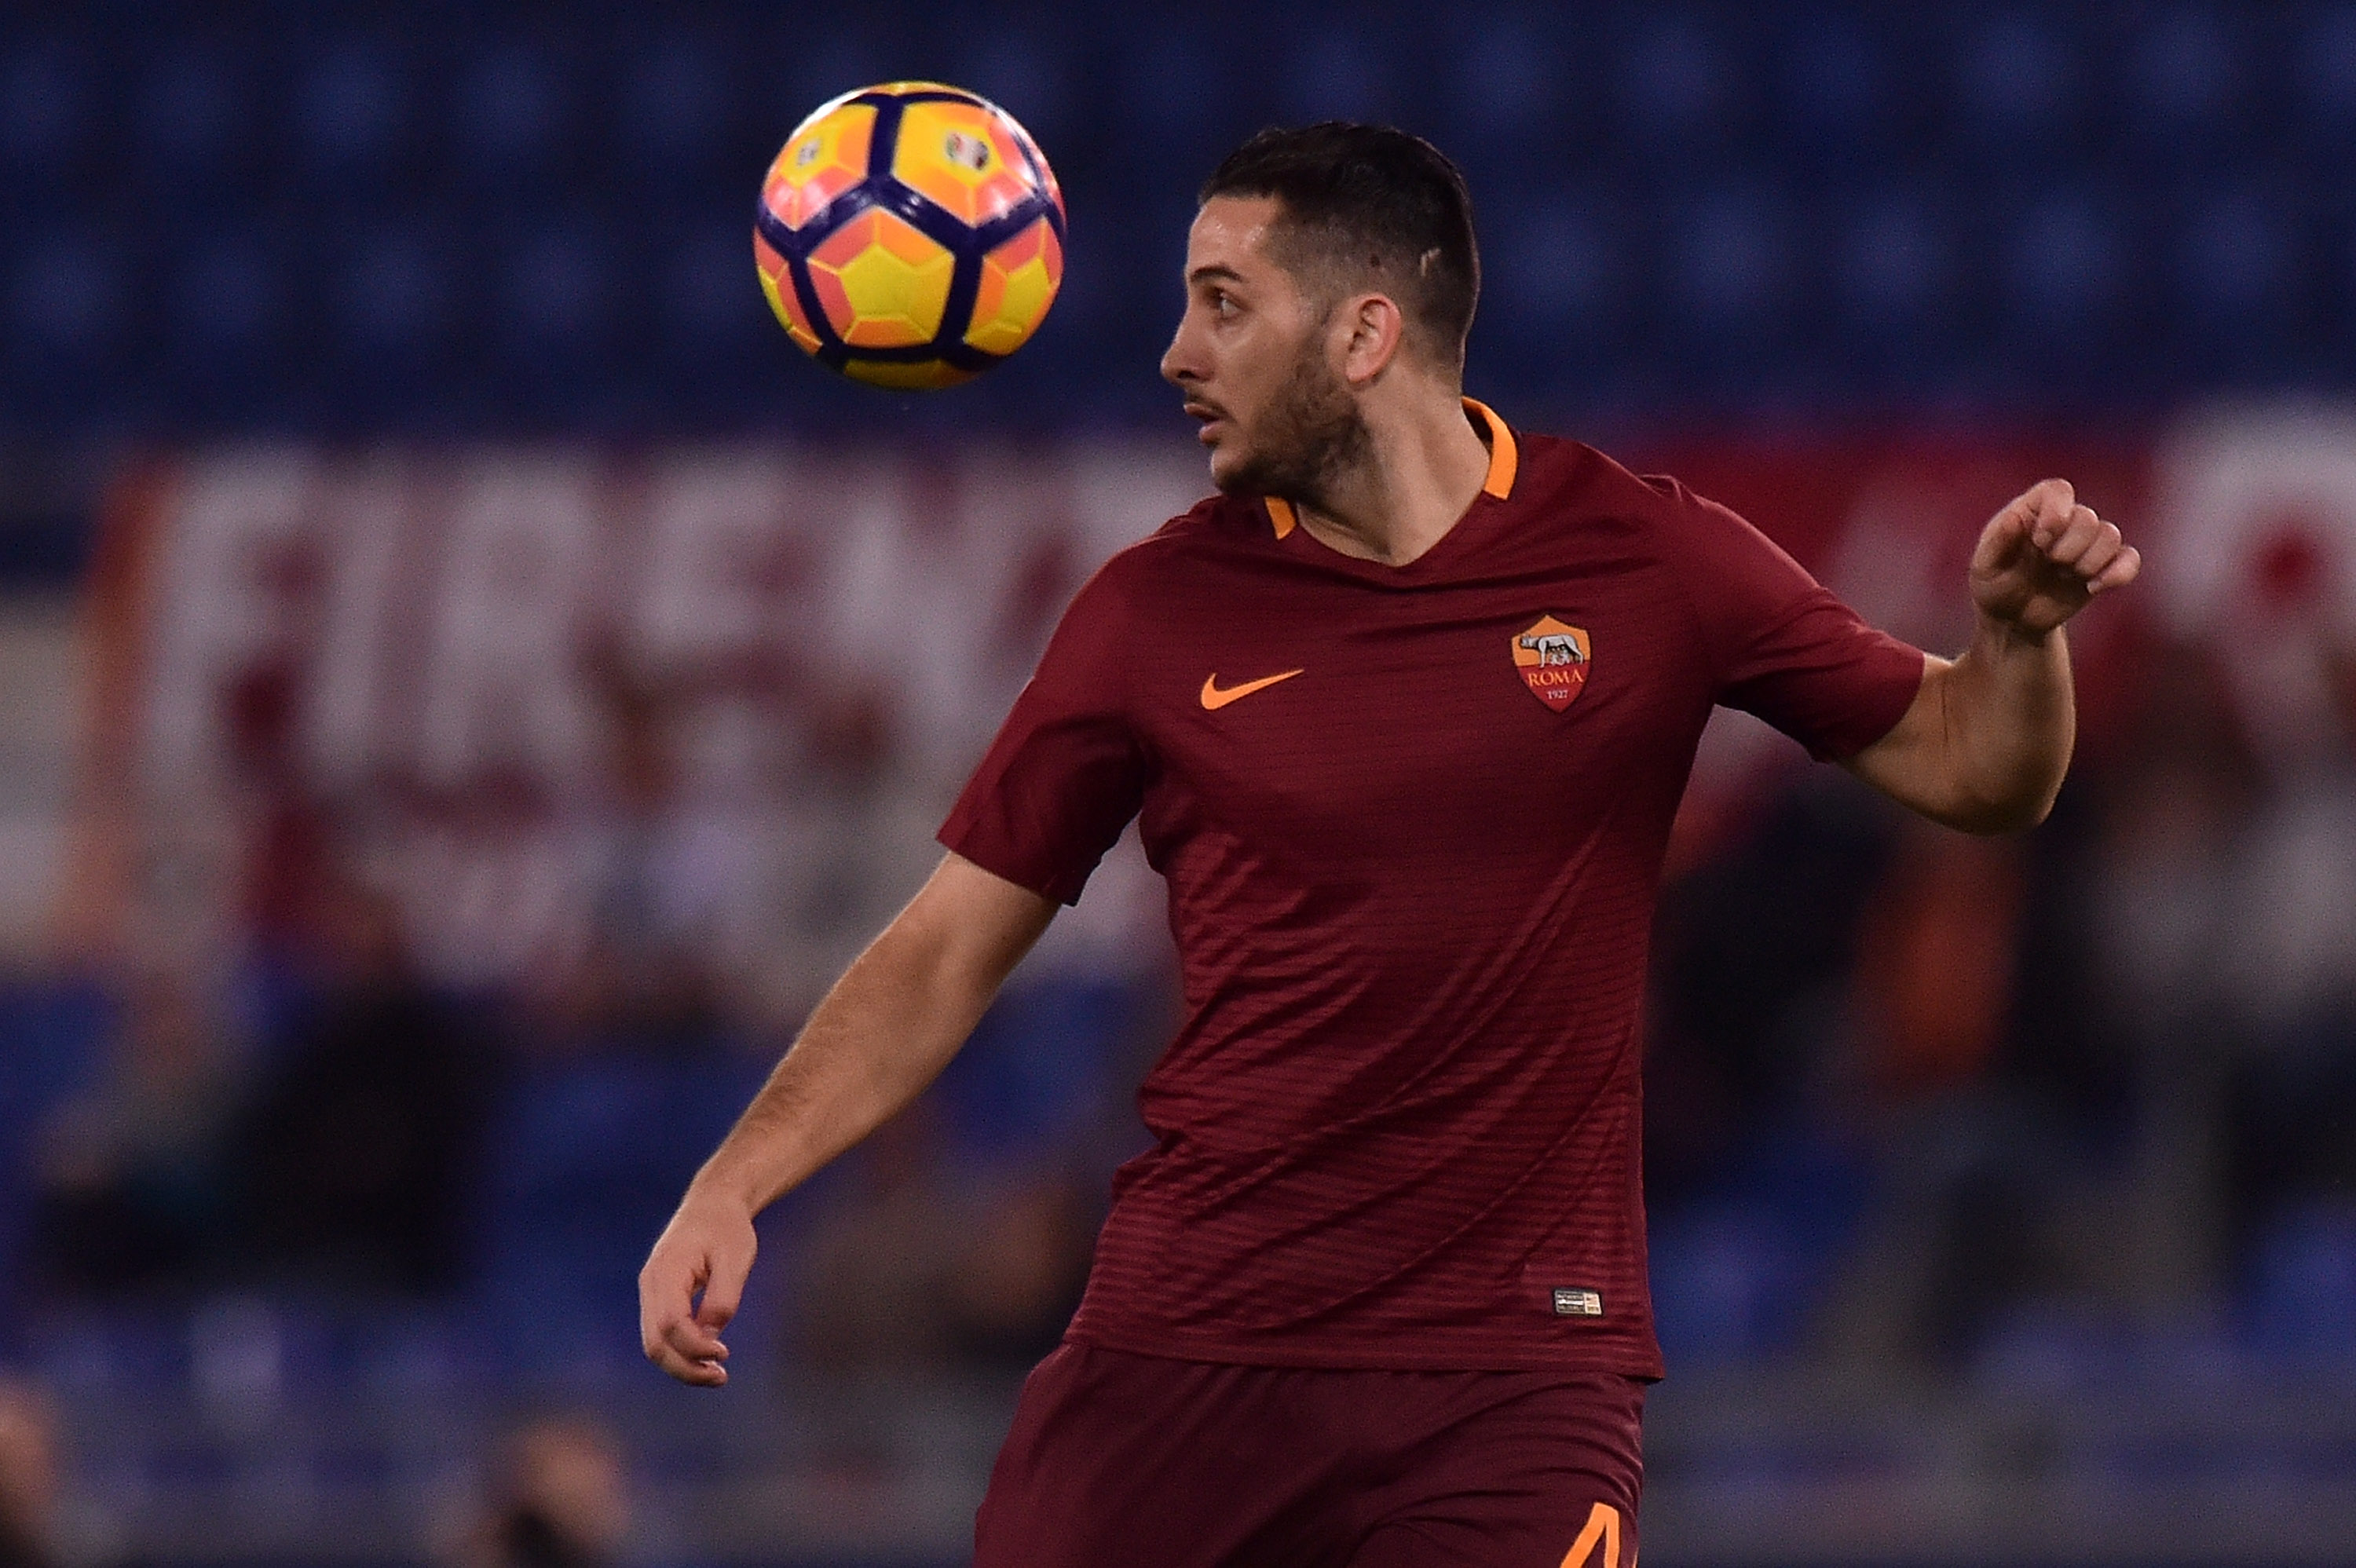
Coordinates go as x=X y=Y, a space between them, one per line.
x=883 y=1033
x=1986 y=742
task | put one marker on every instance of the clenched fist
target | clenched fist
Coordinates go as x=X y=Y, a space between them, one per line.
x=2044 y=556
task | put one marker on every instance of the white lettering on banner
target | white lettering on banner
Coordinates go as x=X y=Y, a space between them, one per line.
x=880 y=586
x=718 y=559
x=355 y=723
x=729 y=550
x=931 y=600
x=452 y=639
x=503 y=688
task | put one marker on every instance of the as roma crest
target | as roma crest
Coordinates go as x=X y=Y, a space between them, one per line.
x=1553 y=660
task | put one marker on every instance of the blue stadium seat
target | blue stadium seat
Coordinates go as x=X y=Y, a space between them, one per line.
x=677 y=99
x=1729 y=1284
x=2018 y=81
x=1122 y=275
x=559 y=288
x=192 y=113
x=1737 y=1273
x=52 y=1041
x=590 y=1158
x=2047 y=1348
x=67 y=297
x=1040 y=1068
x=411 y=1352
x=2065 y=263
x=1675 y=80
x=1174 y=90
x=2185 y=70
x=49 y=107
x=51 y=1045
x=130 y=1348
x=2160 y=117
x=1561 y=275
x=1337 y=73
x=1834 y=88
x=2324 y=57
x=512 y=111
x=709 y=295
x=353 y=106
x=1732 y=266
x=225 y=300
x=808 y=66
x=2235 y=262
x=1894 y=266
x=1030 y=77
x=2303 y=1287
x=395 y=295
x=1513 y=76
x=716 y=355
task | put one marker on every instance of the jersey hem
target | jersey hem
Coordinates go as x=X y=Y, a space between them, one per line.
x=1243 y=1353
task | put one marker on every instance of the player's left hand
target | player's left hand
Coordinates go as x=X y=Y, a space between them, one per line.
x=2044 y=556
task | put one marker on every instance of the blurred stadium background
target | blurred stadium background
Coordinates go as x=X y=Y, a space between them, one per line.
x=469 y=685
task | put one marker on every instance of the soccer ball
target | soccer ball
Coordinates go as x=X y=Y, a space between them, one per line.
x=910 y=235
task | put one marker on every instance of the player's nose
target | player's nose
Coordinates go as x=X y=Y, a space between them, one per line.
x=1180 y=364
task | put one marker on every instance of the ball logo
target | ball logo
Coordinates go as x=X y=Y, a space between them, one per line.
x=970 y=151
x=1552 y=656
x=809 y=155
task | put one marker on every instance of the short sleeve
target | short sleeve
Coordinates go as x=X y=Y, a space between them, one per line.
x=1787 y=650
x=1065 y=774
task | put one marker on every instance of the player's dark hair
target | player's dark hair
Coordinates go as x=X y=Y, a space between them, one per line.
x=1361 y=199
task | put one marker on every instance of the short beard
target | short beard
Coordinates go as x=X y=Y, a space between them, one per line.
x=1311 y=433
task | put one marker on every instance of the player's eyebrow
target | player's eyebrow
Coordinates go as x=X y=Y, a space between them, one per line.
x=1213 y=271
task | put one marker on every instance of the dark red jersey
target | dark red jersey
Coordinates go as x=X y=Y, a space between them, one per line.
x=1412 y=819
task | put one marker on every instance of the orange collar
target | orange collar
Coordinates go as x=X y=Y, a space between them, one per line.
x=1504 y=462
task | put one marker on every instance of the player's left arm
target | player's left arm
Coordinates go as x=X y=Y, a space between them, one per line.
x=1987 y=738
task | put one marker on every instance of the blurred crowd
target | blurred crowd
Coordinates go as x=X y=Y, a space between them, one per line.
x=2098 y=1080
x=1919 y=1105
x=322 y=1117
x=556 y=1494
x=1904 y=1086
x=209 y=1166
x=450 y=833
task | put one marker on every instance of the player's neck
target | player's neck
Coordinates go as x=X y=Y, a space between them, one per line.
x=1423 y=468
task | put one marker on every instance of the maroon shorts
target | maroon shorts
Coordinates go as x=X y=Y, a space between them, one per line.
x=1148 y=1463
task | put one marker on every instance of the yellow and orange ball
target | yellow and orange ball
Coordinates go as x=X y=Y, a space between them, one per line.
x=910 y=235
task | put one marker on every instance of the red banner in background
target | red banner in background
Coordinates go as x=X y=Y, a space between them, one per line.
x=731 y=687
x=715 y=696
x=1888 y=524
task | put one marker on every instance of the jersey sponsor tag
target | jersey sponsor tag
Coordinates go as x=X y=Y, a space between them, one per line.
x=1552 y=656
x=1578 y=1303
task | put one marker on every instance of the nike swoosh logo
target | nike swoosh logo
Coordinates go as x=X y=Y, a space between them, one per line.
x=1214 y=698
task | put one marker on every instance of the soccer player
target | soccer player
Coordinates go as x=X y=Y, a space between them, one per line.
x=1404 y=712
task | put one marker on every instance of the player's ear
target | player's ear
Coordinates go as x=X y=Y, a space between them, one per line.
x=1376 y=328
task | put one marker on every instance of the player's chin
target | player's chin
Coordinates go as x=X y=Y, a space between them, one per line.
x=1232 y=469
